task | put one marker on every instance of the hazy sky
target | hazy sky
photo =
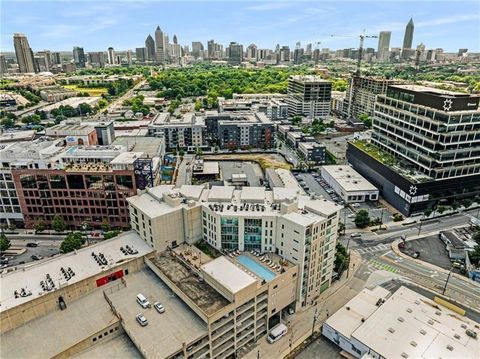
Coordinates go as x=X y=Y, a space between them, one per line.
x=98 y=24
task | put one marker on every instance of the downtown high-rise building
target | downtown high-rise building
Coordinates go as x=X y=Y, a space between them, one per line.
x=383 y=45
x=3 y=64
x=149 y=49
x=309 y=96
x=235 y=53
x=79 y=56
x=407 y=51
x=24 y=53
x=111 y=56
x=197 y=49
x=159 y=46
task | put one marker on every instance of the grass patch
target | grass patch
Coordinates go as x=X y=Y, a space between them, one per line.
x=96 y=92
x=375 y=152
x=208 y=249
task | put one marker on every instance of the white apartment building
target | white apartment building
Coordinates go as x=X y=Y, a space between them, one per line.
x=300 y=229
x=309 y=96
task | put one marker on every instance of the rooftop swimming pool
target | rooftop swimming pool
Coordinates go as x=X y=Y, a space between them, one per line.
x=256 y=267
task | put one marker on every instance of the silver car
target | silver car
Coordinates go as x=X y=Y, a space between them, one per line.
x=142 y=320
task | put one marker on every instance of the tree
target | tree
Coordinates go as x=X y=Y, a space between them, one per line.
x=367 y=121
x=85 y=108
x=441 y=209
x=39 y=226
x=296 y=120
x=476 y=237
x=341 y=257
x=467 y=202
x=474 y=256
x=428 y=212
x=455 y=205
x=58 y=224
x=7 y=122
x=181 y=153
x=106 y=225
x=362 y=219
x=341 y=227
x=4 y=242
x=72 y=241
x=198 y=105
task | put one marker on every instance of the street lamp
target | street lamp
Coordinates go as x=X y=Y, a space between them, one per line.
x=84 y=228
x=446 y=283
x=315 y=317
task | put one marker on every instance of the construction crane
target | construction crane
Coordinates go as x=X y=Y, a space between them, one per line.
x=354 y=83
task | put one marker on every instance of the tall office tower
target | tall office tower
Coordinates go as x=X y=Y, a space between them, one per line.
x=24 y=53
x=197 y=49
x=79 y=56
x=408 y=40
x=252 y=52
x=56 y=58
x=3 y=64
x=166 y=47
x=111 y=55
x=175 y=40
x=235 y=53
x=129 y=57
x=96 y=59
x=141 y=54
x=462 y=52
x=44 y=59
x=366 y=91
x=308 y=50
x=210 y=49
x=284 y=54
x=149 y=49
x=298 y=54
x=159 y=46
x=383 y=45
x=426 y=147
x=309 y=96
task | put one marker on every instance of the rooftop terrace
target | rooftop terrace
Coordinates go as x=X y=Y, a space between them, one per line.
x=202 y=294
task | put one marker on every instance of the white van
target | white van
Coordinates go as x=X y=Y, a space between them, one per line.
x=143 y=301
x=276 y=333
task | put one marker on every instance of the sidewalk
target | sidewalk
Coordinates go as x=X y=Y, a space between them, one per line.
x=300 y=328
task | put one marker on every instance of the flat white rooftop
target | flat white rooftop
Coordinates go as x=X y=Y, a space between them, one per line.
x=220 y=194
x=349 y=179
x=407 y=325
x=126 y=158
x=253 y=194
x=228 y=274
x=81 y=262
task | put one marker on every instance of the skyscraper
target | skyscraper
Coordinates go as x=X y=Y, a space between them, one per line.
x=383 y=45
x=159 y=46
x=3 y=64
x=235 y=53
x=408 y=40
x=197 y=49
x=111 y=55
x=24 y=53
x=149 y=49
x=140 y=54
x=79 y=56
x=175 y=41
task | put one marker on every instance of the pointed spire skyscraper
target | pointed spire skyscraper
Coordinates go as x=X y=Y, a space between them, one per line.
x=408 y=40
x=159 y=46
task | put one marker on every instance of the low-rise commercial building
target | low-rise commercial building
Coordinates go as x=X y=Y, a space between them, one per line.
x=349 y=184
x=376 y=324
x=56 y=93
x=312 y=152
x=74 y=133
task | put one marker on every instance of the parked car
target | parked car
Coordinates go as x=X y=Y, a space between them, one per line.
x=416 y=254
x=159 y=307
x=356 y=235
x=32 y=244
x=355 y=205
x=352 y=215
x=143 y=301
x=36 y=257
x=142 y=320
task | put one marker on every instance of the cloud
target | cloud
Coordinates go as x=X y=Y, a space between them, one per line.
x=448 y=20
x=268 y=6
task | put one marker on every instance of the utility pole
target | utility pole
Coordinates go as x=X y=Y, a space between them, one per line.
x=381 y=220
x=315 y=316
x=419 y=228
x=446 y=283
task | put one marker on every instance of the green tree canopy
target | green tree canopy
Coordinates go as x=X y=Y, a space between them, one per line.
x=362 y=219
x=72 y=241
x=4 y=242
x=58 y=224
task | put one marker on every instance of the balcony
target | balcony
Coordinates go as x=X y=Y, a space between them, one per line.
x=222 y=339
x=216 y=334
x=223 y=348
x=219 y=323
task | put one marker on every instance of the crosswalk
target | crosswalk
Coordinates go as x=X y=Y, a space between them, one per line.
x=378 y=248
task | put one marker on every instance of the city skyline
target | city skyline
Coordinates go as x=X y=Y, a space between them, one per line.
x=263 y=23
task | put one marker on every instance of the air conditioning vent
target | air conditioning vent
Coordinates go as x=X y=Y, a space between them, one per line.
x=413 y=343
x=456 y=336
x=423 y=331
x=404 y=355
x=409 y=310
x=391 y=330
x=400 y=319
x=449 y=347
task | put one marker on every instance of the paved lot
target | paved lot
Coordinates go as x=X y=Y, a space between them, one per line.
x=117 y=348
x=320 y=348
x=46 y=249
x=251 y=169
x=58 y=330
x=432 y=250
x=165 y=332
